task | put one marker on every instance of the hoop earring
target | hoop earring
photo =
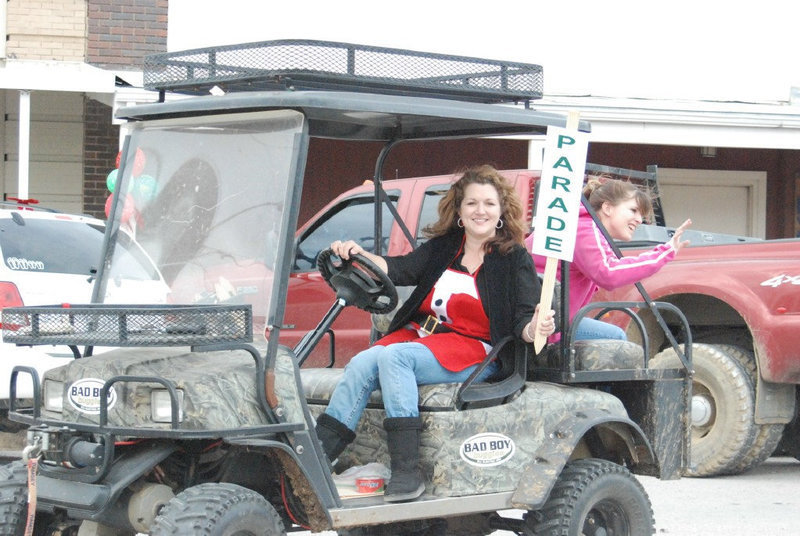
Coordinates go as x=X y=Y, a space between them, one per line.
x=460 y=223
x=499 y=224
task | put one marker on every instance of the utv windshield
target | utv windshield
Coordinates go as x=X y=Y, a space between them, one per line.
x=208 y=202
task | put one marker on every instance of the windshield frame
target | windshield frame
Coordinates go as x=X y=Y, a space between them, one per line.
x=294 y=153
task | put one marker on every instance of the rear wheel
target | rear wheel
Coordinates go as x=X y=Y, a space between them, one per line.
x=594 y=497
x=218 y=510
x=767 y=435
x=722 y=409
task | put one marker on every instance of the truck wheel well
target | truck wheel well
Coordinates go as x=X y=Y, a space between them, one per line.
x=710 y=319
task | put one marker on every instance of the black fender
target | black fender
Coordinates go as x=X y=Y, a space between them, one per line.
x=607 y=436
x=302 y=463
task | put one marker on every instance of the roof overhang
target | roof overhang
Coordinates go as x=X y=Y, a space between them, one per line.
x=33 y=75
x=685 y=123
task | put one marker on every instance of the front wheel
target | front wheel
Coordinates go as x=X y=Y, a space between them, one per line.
x=13 y=498
x=594 y=497
x=14 y=504
x=218 y=510
x=722 y=409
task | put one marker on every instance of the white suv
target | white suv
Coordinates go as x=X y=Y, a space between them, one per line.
x=50 y=258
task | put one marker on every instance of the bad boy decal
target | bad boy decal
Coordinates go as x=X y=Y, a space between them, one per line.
x=84 y=395
x=487 y=449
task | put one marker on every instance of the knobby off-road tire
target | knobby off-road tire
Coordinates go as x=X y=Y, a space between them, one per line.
x=14 y=504
x=218 y=510
x=594 y=496
x=13 y=499
x=723 y=395
x=767 y=436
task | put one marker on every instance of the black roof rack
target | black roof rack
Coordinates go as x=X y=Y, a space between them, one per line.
x=308 y=65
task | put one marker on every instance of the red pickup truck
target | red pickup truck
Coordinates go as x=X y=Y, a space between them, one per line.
x=740 y=295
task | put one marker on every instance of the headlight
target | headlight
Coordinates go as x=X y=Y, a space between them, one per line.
x=53 y=396
x=161 y=406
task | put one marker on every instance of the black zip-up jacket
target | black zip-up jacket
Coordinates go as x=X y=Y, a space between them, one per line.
x=507 y=284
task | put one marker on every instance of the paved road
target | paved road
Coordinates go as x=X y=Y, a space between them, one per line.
x=762 y=502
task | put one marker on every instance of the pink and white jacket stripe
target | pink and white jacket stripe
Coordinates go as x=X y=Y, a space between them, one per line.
x=595 y=265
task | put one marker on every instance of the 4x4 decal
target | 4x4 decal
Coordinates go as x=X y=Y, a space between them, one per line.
x=781 y=280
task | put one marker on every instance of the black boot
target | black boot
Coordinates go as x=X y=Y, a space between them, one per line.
x=403 y=438
x=334 y=436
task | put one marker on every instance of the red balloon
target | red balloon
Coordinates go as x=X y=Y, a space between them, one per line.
x=139 y=162
x=128 y=209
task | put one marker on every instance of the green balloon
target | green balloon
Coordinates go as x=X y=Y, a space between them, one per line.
x=146 y=187
x=111 y=180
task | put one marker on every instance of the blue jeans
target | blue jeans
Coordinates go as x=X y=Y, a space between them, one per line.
x=397 y=370
x=589 y=328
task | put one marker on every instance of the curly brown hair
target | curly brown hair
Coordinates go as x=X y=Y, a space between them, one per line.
x=513 y=230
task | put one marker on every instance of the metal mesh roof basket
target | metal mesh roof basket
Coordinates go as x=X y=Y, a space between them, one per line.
x=304 y=64
x=128 y=325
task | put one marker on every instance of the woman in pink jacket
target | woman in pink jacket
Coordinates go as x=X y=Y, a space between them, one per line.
x=621 y=207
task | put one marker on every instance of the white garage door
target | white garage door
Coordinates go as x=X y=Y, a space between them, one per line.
x=732 y=202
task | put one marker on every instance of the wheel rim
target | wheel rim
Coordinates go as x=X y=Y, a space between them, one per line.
x=703 y=410
x=606 y=518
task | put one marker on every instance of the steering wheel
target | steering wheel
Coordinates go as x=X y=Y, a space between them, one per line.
x=358 y=281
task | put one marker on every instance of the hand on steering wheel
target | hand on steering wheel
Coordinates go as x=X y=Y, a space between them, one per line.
x=358 y=281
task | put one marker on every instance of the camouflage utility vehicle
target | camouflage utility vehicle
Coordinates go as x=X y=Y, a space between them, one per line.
x=201 y=422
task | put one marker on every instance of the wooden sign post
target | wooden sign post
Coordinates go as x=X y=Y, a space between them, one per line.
x=559 y=199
